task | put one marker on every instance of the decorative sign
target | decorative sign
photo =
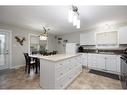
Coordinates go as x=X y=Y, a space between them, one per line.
x=20 y=41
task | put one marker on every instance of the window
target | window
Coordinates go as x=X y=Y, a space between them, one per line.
x=107 y=38
x=36 y=45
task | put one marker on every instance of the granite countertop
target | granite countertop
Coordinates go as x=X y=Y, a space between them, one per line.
x=57 y=57
x=101 y=51
x=109 y=53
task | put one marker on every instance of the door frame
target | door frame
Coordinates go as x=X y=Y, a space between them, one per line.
x=9 y=46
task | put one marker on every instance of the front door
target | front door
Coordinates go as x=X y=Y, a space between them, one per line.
x=4 y=50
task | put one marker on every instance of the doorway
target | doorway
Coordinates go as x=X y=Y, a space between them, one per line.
x=4 y=49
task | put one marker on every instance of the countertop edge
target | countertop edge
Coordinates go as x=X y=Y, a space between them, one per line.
x=70 y=56
x=101 y=53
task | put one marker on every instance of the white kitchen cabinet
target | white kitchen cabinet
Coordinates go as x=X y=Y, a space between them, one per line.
x=123 y=35
x=71 y=48
x=111 y=63
x=87 y=38
x=101 y=61
x=104 y=62
x=59 y=74
x=107 y=38
x=84 y=59
x=100 y=38
x=96 y=61
x=118 y=64
x=92 y=60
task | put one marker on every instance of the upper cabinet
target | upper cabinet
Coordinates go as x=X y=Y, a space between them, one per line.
x=107 y=38
x=99 y=38
x=87 y=38
x=123 y=35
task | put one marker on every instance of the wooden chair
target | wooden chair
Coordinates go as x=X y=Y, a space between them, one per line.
x=29 y=62
x=37 y=60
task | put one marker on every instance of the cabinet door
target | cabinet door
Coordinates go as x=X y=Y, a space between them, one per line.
x=111 y=62
x=100 y=38
x=87 y=38
x=84 y=59
x=107 y=38
x=101 y=61
x=123 y=35
x=92 y=60
x=118 y=63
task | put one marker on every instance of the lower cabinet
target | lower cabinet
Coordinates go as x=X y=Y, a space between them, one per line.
x=68 y=78
x=111 y=63
x=84 y=59
x=59 y=74
x=92 y=60
x=103 y=62
x=66 y=73
x=118 y=63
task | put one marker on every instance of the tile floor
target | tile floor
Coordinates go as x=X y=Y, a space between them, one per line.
x=18 y=79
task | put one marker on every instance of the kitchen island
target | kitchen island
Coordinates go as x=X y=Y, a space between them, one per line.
x=58 y=71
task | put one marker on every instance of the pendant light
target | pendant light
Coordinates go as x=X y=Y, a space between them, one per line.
x=44 y=36
x=73 y=16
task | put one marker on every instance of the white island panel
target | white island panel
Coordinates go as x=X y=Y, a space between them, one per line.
x=58 y=74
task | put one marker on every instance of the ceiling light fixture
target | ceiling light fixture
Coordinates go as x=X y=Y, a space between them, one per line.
x=73 y=16
x=44 y=35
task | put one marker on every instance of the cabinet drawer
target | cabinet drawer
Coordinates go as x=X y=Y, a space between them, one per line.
x=66 y=66
x=60 y=64
x=65 y=80
x=63 y=63
x=68 y=78
x=74 y=73
x=59 y=72
x=62 y=69
x=61 y=82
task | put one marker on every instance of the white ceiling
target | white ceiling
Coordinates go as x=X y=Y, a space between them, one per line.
x=33 y=17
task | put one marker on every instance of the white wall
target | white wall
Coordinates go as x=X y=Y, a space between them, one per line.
x=17 y=49
x=51 y=42
x=71 y=37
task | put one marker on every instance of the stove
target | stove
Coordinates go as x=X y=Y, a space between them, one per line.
x=123 y=69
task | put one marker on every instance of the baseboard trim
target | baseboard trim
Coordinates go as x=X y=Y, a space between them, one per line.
x=17 y=67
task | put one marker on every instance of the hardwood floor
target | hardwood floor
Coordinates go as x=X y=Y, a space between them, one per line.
x=90 y=80
x=18 y=79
